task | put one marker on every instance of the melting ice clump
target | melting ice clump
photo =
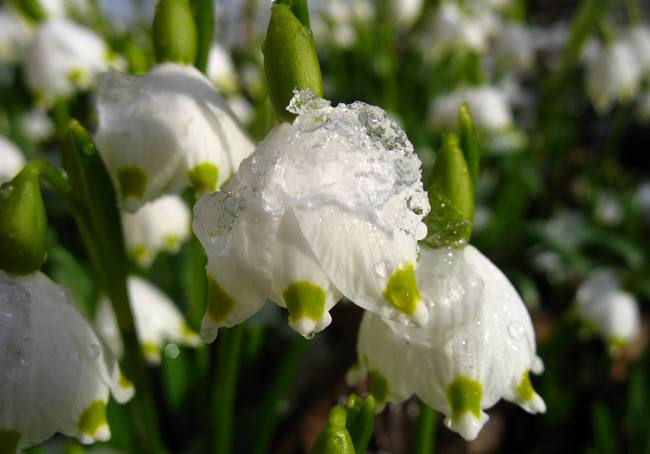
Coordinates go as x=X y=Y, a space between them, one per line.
x=350 y=156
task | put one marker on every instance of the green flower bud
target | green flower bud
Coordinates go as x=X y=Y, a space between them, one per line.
x=468 y=141
x=451 y=195
x=360 y=421
x=334 y=439
x=290 y=60
x=174 y=32
x=23 y=224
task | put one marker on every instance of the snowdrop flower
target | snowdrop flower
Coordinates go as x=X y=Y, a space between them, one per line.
x=609 y=310
x=478 y=347
x=638 y=38
x=162 y=225
x=15 y=35
x=221 y=70
x=330 y=206
x=36 y=125
x=406 y=11
x=613 y=75
x=12 y=160
x=64 y=57
x=489 y=107
x=55 y=372
x=453 y=29
x=157 y=321
x=161 y=132
x=514 y=47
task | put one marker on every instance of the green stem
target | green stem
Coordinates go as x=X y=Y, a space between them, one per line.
x=220 y=439
x=53 y=176
x=425 y=430
x=268 y=419
x=204 y=31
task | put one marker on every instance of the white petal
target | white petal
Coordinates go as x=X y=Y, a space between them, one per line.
x=12 y=160
x=360 y=259
x=468 y=426
x=297 y=271
x=239 y=281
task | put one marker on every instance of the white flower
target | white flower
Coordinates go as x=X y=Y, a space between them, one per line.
x=638 y=38
x=613 y=75
x=329 y=206
x=453 y=29
x=62 y=58
x=488 y=105
x=609 y=310
x=169 y=129
x=221 y=70
x=36 y=125
x=514 y=46
x=406 y=11
x=55 y=372
x=162 y=225
x=15 y=35
x=157 y=321
x=12 y=160
x=478 y=347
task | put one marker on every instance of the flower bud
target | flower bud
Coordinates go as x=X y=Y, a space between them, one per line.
x=360 y=420
x=23 y=224
x=334 y=439
x=174 y=32
x=290 y=60
x=451 y=195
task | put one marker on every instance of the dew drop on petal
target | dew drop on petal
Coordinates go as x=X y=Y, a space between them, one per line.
x=172 y=351
x=516 y=330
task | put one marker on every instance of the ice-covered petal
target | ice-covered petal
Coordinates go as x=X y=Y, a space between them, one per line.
x=299 y=282
x=371 y=267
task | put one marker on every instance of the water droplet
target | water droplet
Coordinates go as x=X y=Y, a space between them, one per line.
x=6 y=190
x=420 y=231
x=516 y=330
x=310 y=335
x=172 y=351
x=384 y=268
x=93 y=350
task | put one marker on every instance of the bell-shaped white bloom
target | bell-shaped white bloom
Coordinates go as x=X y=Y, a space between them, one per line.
x=478 y=347
x=453 y=29
x=157 y=321
x=329 y=206
x=12 y=160
x=489 y=107
x=514 y=47
x=613 y=75
x=221 y=70
x=169 y=129
x=15 y=35
x=55 y=371
x=638 y=38
x=162 y=225
x=36 y=125
x=607 y=309
x=406 y=11
x=64 y=57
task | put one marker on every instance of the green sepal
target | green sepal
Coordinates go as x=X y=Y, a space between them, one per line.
x=174 y=32
x=290 y=60
x=360 y=421
x=468 y=141
x=451 y=195
x=31 y=9
x=334 y=438
x=23 y=223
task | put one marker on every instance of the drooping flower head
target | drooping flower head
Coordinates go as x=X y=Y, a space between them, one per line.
x=162 y=225
x=609 y=310
x=478 y=347
x=330 y=206
x=169 y=129
x=157 y=321
x=55 y=372
x=64 y=57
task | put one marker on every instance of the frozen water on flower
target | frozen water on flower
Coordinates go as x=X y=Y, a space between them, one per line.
x=351 y=156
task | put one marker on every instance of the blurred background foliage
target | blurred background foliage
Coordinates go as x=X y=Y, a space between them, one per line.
x=564 y=190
